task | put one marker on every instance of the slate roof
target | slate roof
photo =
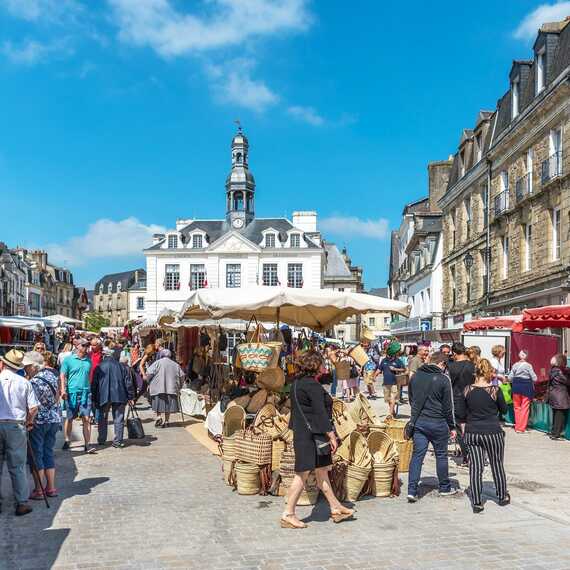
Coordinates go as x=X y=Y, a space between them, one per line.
x=215 y=229
x=380 y=292
x=126 y=278
x=335 y=265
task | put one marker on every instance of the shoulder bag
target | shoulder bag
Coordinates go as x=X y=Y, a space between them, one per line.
x=135 y=428
x=411 y=425
x=322 y=442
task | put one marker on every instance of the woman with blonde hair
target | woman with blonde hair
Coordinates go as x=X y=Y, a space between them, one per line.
x=67 y=351
x=474 y=354
x=480 y=408
x=497 y=362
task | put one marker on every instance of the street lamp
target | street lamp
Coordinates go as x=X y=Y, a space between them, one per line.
x=468 y=260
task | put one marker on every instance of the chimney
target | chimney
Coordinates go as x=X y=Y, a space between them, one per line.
x=438 y=176
x=305 y=221
x=156 y=238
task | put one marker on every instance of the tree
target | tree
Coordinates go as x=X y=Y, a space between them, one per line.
x=95 y=321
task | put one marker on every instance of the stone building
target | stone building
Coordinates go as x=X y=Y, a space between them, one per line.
x=111 y=295
x=241 y=250
x=506 y=208
x=415 y=274
x=378 y=323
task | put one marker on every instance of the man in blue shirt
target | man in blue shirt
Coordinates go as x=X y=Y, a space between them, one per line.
x=390 y=366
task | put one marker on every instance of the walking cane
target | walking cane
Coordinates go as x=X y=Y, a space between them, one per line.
x=36 y=472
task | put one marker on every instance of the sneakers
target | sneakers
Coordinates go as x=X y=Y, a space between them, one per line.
x=449 y=493
x=412 y=498
x=118 y=444
x=506 y=501
x=65 y=445
x=478 y=509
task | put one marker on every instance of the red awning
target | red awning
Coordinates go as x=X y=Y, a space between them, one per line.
x=553 y=316
x=510 y=322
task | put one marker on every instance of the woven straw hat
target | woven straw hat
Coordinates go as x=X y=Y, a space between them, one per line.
x=14 y=359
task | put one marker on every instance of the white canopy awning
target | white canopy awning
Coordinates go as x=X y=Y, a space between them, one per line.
x=23 y=323
x=318 y=309
x=58 y=320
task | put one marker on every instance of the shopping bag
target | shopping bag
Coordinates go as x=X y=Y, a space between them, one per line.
x=506 y=389
x=135 y=428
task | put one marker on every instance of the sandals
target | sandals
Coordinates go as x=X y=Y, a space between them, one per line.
x=51 y=492
x=338 y=516
x=37 y=495
x=286 y=522
x=158 y=422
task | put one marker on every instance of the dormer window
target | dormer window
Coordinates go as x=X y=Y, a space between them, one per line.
x=295 y=240
x=101 y=289
x=515 y=97
x=109 y=288
x=172 y=242
x=479 y=143
x=540 y=70
x=462 y=162
x=118 y=286
x=269 y=240
x=197 y=241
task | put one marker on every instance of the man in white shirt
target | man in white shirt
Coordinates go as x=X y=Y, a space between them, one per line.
x=18 y=407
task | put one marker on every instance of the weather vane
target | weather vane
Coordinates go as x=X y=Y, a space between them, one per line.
x=238 y=123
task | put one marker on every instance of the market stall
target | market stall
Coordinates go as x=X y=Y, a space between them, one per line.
x=19 y=332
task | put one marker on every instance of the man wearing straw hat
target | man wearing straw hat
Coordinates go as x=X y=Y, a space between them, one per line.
x=18 y=406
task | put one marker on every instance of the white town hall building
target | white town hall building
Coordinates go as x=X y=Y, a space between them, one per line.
x=240 y=250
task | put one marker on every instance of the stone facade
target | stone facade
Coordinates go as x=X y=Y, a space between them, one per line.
x=506 y=208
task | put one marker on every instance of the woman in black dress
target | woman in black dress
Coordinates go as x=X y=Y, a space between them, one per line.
x=311 y=411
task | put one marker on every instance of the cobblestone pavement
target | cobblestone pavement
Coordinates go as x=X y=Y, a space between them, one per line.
x=162 y=504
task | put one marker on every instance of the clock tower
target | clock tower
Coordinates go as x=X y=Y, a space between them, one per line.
x=240 y=185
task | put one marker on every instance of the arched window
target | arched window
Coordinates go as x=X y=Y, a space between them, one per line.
x=238 y=201
x=110 y=288
x=118 y=286
x=101 y=289
x=238 y=157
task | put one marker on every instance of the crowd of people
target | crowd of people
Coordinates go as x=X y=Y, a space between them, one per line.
x=42 y=393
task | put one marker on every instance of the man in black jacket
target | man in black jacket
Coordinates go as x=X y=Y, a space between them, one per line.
x=111 y=389
x=432 y=414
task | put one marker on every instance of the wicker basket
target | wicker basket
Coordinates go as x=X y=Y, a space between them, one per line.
x=229 y=447
x=395 y=429
x=382 y=448
x=227 y=465
x=342 y=368
x=377 y=427
x=405 y=450
x=343 y=423
x=234 y=420
x=253 y=448
x=359 y=355
x=276 y=453
x=356 y=478
x=310 y=493
x=383 y=475
x=247 y=477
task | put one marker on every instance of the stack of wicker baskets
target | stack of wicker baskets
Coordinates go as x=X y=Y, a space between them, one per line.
x=310 y=494
x=395 y=429
x=234 y=420
x=384 y=462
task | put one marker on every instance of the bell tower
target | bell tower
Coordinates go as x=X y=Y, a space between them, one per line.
x=240 y=184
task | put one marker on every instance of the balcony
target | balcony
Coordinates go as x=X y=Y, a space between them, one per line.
x=551 y=167
x=502 y=202
x=522 y=186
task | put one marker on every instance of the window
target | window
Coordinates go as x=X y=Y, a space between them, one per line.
x=341 y=289
x=119 y=285
x=453 y=230
x=172 y=277
x=453 y=287
x=485 y=201
x=197 y=241
x=467 y=204
x=295 y=275
x=555 y=152
x=540 y=71
x=109 y=288
x=505 y=268
x=34 y=302
x=555 y=234
x=386 y=321
x=371 y=322
x=462 y=162
x=197 y=276
x=529 y=158
x=504 y=181
x=269 y=275
x=479 y=143
x=140 y=303
x=269 y=240
x=101 y=289
x=515 y=93
x=295 y=240
x=528 y=247
x=172 y=242
x=233 y=275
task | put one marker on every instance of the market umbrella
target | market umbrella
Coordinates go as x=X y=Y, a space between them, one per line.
x=552 y=316
x=318 y=309
x=22 y=323
x=58 y=320
x=486 y=323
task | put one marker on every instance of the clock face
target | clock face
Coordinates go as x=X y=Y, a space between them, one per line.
x=238 y=223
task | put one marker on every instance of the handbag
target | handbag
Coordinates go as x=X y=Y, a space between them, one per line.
x=223 y=340
x=411 y=425
x=322 y=442
x=135 y=428
x=507 y=393
x=257 y=356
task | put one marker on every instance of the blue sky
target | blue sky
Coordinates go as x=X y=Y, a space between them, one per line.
x=116 y=116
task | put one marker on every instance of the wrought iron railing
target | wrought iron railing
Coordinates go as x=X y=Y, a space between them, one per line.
x=522 y=186
x=502 y=202
x=551 y=167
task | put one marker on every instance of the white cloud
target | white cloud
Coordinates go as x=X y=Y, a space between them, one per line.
x=307 y=115
x=105 y=238
x=528 y=28
x=46 y=10
x=157 y=24
x=353 y=226
x=233 y=84
x=30 y=52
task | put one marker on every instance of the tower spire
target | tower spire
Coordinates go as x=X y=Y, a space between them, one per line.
x=240 y=184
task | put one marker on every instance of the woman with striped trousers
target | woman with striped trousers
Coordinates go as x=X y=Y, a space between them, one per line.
x=480 y=408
